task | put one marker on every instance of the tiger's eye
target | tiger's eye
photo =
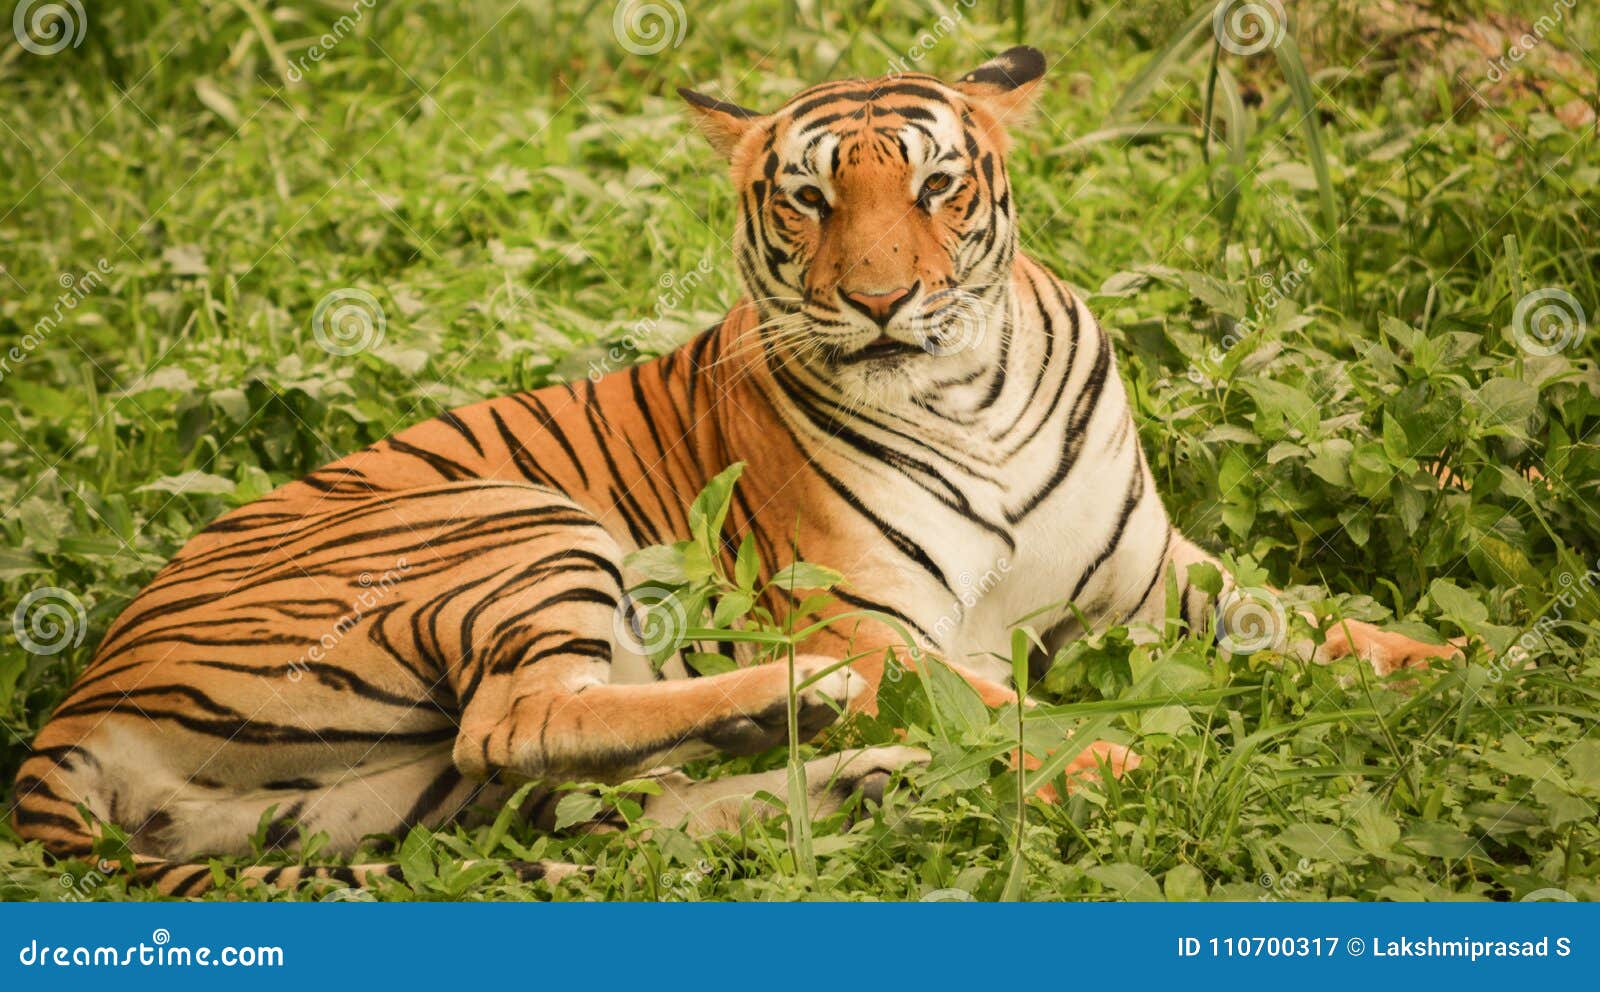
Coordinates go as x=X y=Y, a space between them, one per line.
x=937 y=183
x=811 y=197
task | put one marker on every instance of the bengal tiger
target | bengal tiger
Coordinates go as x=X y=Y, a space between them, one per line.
x=914 y=398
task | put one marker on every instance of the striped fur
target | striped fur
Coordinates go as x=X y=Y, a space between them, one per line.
x=413 y=629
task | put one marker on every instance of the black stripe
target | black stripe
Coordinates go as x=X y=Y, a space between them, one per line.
x=449 y=419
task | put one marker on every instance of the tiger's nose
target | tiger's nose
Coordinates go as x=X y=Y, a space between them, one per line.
x=879 y=306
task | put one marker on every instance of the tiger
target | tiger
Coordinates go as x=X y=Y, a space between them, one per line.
x=915 y=401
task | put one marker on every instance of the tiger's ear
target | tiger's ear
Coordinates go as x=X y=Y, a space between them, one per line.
x=1006 y=85
x=722 y=123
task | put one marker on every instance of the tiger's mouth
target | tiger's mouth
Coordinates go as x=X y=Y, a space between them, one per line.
x=884 y=348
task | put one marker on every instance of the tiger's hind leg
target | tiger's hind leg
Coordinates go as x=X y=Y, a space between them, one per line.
x=359 y=708
x=726 y=804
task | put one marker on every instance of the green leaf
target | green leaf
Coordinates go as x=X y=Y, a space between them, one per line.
x=1374 y=830
x=1508 y=402
x=709 y=662
x=1330 y=461
x=1280 y=403
x=747 y=566
x=577 y=807
x=1206 y=577
x=416 y=858
x=502 y=820
x=1456 y=603
x=1128 y=881
x=710 y=508
x=1184 y=883
x=193 y=483
x=1318 y=841
x=804 y=575
x=955 y=703
x=1437 y=840
x=1310 y=118
x=730 y=607
x=1583 y=760
x=660 y=563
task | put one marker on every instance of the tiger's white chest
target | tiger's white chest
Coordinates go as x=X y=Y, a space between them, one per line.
x=993 y=588
x=1069 y=520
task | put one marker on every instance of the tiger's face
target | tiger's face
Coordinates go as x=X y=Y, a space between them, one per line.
x=876 y=224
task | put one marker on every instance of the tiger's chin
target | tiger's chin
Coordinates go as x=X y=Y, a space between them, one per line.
x=901 y=381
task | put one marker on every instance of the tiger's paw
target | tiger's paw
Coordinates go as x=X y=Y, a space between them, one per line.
x=1119 y=759
x=818 y=706
x=1385 y=651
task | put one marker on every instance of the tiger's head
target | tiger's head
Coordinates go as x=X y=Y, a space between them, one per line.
x=876 y=225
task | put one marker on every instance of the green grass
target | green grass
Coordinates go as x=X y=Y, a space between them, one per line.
x=515 y=187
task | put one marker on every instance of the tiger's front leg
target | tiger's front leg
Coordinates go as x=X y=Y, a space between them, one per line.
x=531 y=616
